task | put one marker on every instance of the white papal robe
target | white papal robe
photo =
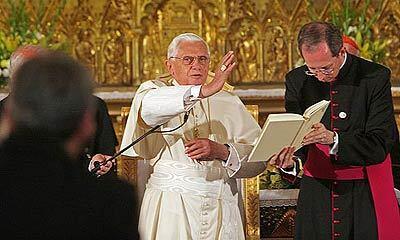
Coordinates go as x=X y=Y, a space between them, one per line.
x=185 y=199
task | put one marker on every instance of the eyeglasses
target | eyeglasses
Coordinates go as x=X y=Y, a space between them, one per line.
x=189 y=60
x=328 y=70
x=325 y=71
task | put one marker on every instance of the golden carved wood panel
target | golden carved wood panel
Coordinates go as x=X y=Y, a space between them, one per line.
x=251 y=199
x=124 y=42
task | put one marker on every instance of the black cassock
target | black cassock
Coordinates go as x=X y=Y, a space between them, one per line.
x=361 y=112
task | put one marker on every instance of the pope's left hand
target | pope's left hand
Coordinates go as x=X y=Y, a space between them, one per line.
x=283 y=159
x=203 y=149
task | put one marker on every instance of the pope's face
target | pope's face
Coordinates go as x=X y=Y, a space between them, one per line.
x=189 y=66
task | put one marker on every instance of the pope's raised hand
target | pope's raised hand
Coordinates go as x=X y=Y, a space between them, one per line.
x=223 y=71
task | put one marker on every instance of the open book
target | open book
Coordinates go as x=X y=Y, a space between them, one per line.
x=284 y=130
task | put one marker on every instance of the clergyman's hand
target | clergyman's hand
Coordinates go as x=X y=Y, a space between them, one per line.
x=320 y=135
x=283 y=159
x=203 y=149
x=224 y=69
x=104 y=168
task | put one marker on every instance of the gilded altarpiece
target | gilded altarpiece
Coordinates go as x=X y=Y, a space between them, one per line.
x=124 y=43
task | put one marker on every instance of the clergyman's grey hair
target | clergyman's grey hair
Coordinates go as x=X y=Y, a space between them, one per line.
x=174 y=45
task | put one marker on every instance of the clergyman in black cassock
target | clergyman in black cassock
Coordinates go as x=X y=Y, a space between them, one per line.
x=346 y=193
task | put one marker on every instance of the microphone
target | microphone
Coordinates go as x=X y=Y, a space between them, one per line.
x=97 y=164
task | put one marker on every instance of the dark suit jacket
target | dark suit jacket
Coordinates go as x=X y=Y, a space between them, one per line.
x=104 y=140
x=46 y=195
x=361 y=95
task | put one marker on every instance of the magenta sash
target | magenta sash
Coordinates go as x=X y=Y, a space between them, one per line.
x=380 y=179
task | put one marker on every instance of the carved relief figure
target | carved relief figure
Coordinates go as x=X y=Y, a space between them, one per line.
x=84 y=49
x=246 y=49
x=116 y=24
x=114 y=59
x=275 y=63
x=152 y=63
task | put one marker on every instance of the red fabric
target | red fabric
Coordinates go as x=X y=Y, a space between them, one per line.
x=27 y=52
x=319 y=159
x=350 y=41
x=386 y=207
x=380 y=179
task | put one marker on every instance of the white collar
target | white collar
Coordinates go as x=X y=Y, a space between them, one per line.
x=344 y=61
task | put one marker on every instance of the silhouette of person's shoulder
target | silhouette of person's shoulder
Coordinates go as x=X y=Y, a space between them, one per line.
x=46 y=195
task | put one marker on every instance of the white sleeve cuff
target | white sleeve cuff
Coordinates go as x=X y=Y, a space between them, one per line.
x=335 y=148
x=291 y=172
x=297 y=168
x=195 y=91
x=91 y=165
x=233 y=161
x=191 y=97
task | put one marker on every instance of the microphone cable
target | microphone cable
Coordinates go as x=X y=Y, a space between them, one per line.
x=97 y=164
